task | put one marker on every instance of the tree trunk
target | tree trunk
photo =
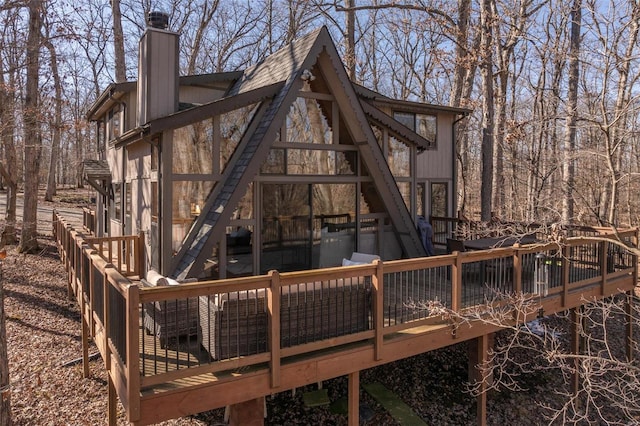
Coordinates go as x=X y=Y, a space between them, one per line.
x=9 y=236
x=32 y=139
x=486 y=71
x=9 y=172
x=118 y=42
x=621 y=113
x=350 y=48
x=209 y=9
x=57 y=125
x=568 y=166
x=5 y=390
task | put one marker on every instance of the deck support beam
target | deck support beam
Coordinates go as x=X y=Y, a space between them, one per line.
x=354 y=398
x=248 y=413
x=112 y=404
x=577 y=344
x=85 y=348
x=479 y=372
x=629 y=326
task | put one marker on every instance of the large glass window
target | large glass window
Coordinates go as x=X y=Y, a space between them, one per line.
x=307 y=123
x=115 y=122
x=286 y=216
x=307 y=225
x=233 y=126
x=188 y=199
x=420 y=191
x=439 y=197
x=399 y=158
x=423 y=124
x=101 y=136
x=117 y=201
x=239 y=251
x=193 y=148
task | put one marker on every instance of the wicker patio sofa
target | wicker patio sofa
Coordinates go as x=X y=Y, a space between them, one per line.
x=170 y=320
x=235 y=324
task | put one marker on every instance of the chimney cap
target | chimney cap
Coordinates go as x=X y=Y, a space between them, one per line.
x=157 y=19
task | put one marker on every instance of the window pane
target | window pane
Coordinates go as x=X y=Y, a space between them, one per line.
x=427 y=125
x=334 y=205
x=320 y=162
x=127 y=202
x=193 y=148
x=420 y=199
x=439 y=199
x=117 y=201
x=239 y=251
x=274 y=164
x=232 y=127
x=154 y=202
x=245 y=206
x=406 y=118
x=188 y=199
x=307 y=123
x=405 y=191
x=399 y=158
x=286 y=237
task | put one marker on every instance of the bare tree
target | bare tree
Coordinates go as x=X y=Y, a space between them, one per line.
x=486 y=70
x=5 y=388
x=32 y=136
x=8 y=169
x=568 y=171
x=118 y=42
x=57 y=119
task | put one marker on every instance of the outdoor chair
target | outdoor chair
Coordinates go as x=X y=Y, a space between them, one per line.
x=169 y=320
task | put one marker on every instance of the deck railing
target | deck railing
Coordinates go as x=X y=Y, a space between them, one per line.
x=89 y=220
x=151 y=336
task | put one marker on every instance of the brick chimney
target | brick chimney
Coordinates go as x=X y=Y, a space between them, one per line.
x=158 y=70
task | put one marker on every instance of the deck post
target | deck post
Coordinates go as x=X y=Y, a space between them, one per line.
x=378 y=317
x=133 y=351
x=479 y=373
x=629 y=326
x=566 y=251
x=273 y=306
x=139 y=255
x=354 y=398
x=604 y=266
x=576 y=346
x=85 y=347
x=112 y=404
x=517 y=269
x=456 y=283
x=248 y=413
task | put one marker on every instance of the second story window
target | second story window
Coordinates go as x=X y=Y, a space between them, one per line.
x=115 y=122
x=423 y=124
x=101 y=136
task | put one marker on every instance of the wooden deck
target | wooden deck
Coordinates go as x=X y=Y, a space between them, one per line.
x=162 y=378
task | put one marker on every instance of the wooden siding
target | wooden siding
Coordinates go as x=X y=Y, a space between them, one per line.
x=158 y=75
x=438 y=164
x=199 y=95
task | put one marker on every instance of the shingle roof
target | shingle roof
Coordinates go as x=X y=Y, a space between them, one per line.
x=278 y=67
x=96 y=169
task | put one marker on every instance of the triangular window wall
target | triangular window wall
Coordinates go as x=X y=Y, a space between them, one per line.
x=200 y=154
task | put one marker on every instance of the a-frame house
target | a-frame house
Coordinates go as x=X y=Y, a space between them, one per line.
x=287 y=165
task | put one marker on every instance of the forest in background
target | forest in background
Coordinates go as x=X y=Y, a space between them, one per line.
x=553 y=85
